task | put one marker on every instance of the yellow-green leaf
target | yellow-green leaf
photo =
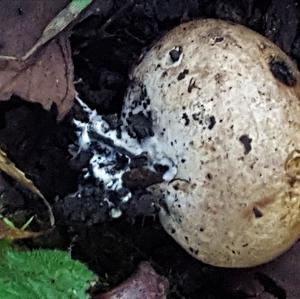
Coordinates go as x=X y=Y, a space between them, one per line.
x=10 y=233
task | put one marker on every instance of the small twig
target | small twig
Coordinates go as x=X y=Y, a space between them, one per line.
x=140 y=41
x=109 y=142
x=102 y=31
x=50 y=211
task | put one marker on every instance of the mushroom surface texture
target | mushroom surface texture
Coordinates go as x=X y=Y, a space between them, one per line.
x=224 y=106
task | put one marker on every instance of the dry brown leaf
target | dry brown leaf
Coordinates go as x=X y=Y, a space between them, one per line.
x=46 y=80
x=11 y=233
x=46 y=77
x=10 y=169
x=23 y=22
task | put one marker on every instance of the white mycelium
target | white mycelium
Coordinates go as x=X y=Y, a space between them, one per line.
x=108 y=145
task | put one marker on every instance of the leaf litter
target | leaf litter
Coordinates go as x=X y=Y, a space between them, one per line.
x=35 y=54
x=11 y=169
x=9 y=232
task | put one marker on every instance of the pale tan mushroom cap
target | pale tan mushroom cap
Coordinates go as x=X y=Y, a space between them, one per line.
x=234 y=131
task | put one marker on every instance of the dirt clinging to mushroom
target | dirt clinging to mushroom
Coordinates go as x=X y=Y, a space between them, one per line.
x=118 y=151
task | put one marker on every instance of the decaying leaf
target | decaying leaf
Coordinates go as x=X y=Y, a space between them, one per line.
x=31 y=67
x=10 y=169
x=9 y=232
x=47 y=79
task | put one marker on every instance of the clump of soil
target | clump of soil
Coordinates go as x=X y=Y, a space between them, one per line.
x=105 y=47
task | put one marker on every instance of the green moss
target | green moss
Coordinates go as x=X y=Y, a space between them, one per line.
x=47 y=274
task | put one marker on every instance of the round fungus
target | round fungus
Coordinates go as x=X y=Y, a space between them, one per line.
x=224 y=107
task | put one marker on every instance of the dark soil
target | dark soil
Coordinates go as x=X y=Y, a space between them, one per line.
x=105 y=47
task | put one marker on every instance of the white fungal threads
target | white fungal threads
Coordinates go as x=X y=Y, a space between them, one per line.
x=115 y=213
x=103 y=170
x=110 y=145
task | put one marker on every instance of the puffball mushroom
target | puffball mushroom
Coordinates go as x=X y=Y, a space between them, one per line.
x=225 y=108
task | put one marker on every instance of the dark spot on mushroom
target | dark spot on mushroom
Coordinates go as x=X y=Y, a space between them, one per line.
x=183 y=160
x=176 y=187
x=158 y=66
x=282 y=72
x=173 y=230
x=181 y=75
x=219 y=78
x=292 y=181
x=197 y=117
x=158 y=47
x=186 y=119
x=139 y=126
x=246 y=141
x=175 y=53
x=209 y=176
x=164 y=74
x=192 y=85
x=257 y=212
x=219 y=39
x=192 y=250
x=212 y=122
